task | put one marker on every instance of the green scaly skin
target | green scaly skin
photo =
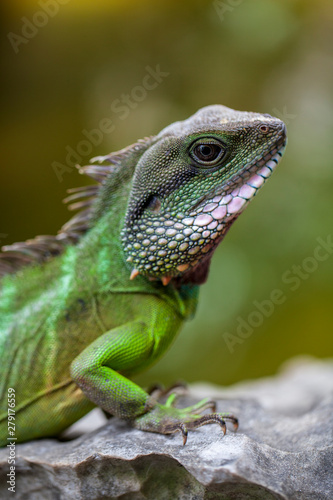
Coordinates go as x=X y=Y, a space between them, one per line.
x=75 y=326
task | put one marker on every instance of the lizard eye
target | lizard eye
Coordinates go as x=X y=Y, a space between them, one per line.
x=207 y=152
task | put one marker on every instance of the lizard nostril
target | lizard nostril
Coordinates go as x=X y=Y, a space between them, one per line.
x=264 y=129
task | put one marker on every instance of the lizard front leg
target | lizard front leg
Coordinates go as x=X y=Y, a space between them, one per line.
x=99 y=369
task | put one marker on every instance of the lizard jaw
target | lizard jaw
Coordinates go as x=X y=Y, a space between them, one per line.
x=177 y=246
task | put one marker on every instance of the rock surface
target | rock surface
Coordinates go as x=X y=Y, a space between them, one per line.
x=283 y=450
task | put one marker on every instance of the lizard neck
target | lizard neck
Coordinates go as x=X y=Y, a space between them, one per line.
x=101 y=267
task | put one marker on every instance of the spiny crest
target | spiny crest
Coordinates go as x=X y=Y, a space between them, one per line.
x=42 y=248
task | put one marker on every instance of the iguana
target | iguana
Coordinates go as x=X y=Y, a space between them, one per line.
x=82 y=311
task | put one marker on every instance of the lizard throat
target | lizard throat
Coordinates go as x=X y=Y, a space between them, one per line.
x=173 y=247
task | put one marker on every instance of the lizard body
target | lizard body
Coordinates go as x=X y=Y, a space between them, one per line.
x=84 y=310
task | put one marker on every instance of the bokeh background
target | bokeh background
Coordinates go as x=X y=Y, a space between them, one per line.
x=61 y=78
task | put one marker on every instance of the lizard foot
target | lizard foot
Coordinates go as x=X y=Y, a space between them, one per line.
x=166 y=419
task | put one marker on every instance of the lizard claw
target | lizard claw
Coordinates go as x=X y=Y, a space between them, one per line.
x=205 y=404
x=182 y=428
x=209 y=419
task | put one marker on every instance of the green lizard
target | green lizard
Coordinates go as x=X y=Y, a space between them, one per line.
x=82 y=311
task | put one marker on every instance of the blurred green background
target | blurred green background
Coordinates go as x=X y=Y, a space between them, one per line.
x=259 y=55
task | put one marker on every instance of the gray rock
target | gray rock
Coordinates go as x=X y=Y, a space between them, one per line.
x=283 y=449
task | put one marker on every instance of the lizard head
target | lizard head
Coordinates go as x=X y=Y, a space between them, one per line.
x=191 y=184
